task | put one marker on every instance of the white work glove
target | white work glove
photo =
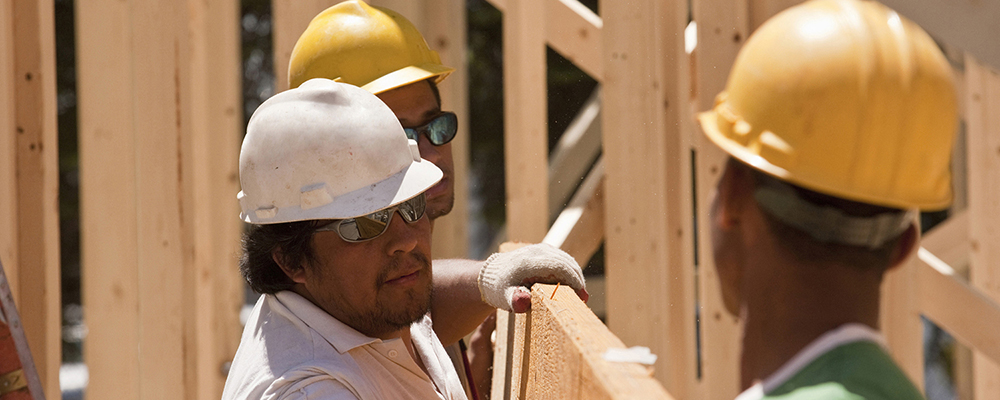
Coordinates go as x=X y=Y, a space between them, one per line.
x=504 y=277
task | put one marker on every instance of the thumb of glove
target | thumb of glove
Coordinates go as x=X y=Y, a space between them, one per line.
x=503 y=273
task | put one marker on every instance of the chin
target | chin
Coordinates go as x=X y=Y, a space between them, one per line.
x=440 y=206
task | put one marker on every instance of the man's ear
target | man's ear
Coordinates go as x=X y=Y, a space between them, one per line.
x=908 y=244
x=297 y=273
x=734 y=189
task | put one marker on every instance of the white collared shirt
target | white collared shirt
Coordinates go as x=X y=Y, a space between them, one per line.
x=292 y=349
x=844 y=334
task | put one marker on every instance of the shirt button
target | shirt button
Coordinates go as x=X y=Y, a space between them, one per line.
x=393 y=353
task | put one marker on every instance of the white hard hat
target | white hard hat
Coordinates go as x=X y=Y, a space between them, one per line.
x=327 y=150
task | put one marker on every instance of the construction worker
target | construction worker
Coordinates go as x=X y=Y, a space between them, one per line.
x=340 y=248
x=838 y=117
x=381 y=51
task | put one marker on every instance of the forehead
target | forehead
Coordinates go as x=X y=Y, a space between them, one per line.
x=413 y=104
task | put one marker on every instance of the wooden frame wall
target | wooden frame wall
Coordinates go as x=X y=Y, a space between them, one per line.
x=442 y=22
x=160 y=127
x=29 y=172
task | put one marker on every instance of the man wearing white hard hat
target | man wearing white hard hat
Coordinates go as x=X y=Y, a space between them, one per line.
x=340 y=250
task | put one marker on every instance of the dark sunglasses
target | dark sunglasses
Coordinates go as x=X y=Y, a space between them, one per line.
x=439 y=130
x=367 y=227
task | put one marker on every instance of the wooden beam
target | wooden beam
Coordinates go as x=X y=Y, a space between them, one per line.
x=445 y=32
x=579 y=230
x=574 y=31
x=30 y=240
x=648 y=208
x=969 y=25
x=982 y=117
x=762 y=10
x=957 y=307
x=567 y=346
x=289 y=18
x=159 y=130
x=949 y=241
x=575 y=153
x=900 y=319
x=525 y=122
x=722 y=28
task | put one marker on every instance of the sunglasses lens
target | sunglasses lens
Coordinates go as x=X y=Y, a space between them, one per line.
x=413 y=209
x=442 y=129
x=365 y=227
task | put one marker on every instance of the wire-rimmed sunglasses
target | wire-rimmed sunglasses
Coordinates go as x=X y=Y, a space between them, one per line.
x=371 y=226
x=440 y=130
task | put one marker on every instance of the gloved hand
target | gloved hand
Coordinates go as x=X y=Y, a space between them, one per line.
x=504 y=278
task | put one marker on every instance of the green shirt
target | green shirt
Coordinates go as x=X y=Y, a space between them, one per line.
x=852 y=371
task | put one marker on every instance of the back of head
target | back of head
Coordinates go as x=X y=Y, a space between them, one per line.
x=371 y=47
x=845 y=98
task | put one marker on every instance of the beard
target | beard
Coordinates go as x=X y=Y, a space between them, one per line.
x=391 y=315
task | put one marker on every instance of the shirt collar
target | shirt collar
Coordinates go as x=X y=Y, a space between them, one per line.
x=844 y=334
x=341 y=336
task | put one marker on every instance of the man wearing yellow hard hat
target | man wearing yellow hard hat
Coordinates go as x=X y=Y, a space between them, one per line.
x=838 y=117
x=382 y=52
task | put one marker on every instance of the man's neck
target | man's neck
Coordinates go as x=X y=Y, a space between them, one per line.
x=785 y=315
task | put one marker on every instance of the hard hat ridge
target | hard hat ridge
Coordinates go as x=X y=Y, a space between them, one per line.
x=327 y=150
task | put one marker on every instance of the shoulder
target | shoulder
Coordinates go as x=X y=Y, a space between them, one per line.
x=859 y=370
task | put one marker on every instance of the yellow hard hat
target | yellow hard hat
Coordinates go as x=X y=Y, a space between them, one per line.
x=846 y=98
x=371 y=47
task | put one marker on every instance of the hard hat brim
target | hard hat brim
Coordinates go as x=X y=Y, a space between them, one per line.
x=418 y=177
x=407 y=75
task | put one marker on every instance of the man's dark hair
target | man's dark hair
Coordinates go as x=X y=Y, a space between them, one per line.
x=806 y=248
x=258 y=266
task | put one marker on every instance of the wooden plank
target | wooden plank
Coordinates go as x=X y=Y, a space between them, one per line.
x=969 y=25
x=566 y=357
x=108 y=212
x=982 y=103
x=722 y=27
x=761 y=10
x=649 y=250
x=38 y=285
x=957 y=307
x=579 y=230
x=289 y=18
x=446 y=34
x=949 y=241
x=574 y=31
x=211 y=235
x=8 y=146
x=525 y=121
x=574 y=153
x=502 y=348
x=900 y=319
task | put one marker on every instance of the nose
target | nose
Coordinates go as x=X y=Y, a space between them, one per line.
x=404 y=237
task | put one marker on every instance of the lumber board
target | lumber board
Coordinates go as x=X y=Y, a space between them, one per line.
x=648 y=245
x=762 y=10
x=525 y=122
x=574 y=31
x=37 y=189
x=211 y=161
x=8 y=147
x=722 y=27
x=289 y=19
x=957 y=307
x=567 y=343
x=900 y=319
x=969 y=25
x=108 y=221
x=982 y=118
x=579 y=230
x=446 y=34
x=949 y=241
x=574 y=153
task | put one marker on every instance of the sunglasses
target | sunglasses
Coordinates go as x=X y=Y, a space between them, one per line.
x=371 y=226
x=440 y=130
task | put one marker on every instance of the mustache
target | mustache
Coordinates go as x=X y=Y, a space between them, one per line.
x=397 y=264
